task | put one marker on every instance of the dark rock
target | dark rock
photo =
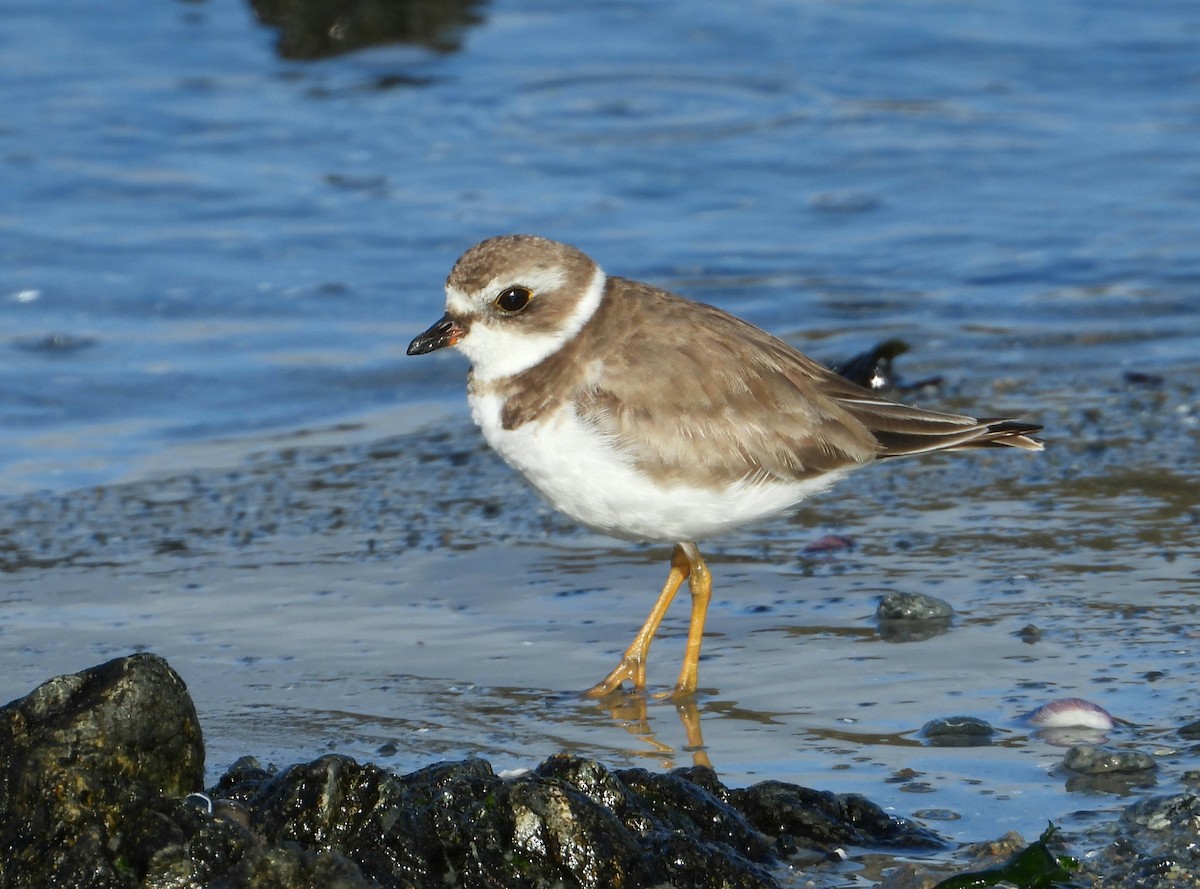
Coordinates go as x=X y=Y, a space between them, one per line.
x=1093 y=769
x=686 y=862
x=958 y=731
x=592 y=780
x=290 y=867
x=314 y=29
x=1141 y=378
x=1098 y=760
x=555 y=824
x=170 y=843
x=1164 y=814
x=674 y=803
x=1029 y=634
x=460 y=824
x=912 y=617
x=1153 y=845
x=820 y=819
x=909 y=876
x=86 y=761
x=913 y=606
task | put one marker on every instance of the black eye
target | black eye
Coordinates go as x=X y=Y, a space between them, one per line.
x=514 y=299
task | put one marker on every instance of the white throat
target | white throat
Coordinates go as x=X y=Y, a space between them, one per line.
x=498 y=351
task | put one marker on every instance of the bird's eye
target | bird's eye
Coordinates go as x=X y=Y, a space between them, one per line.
x=514 y=299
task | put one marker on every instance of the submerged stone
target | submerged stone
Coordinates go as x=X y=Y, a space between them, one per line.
x=958 y=731
x=913 y=606
x=1092 y=760
x=912 y=617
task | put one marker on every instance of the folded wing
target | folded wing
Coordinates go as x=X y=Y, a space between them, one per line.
x=689 y=392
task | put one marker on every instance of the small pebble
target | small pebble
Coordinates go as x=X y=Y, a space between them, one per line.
x=913 y=606
x=1091 y=760
x=958 y=731
x=1029 y=634
x=1140 y=378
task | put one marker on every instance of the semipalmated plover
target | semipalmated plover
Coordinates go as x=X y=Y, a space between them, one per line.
x=650 y=417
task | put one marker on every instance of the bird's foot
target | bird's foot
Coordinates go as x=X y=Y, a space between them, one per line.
x=631 y=668
x=680 y=694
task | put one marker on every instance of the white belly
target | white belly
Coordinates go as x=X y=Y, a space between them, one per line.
x=581 y=474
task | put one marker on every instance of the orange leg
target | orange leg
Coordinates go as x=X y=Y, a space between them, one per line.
x=700 y=585
x=633 y=663
x=686 y=564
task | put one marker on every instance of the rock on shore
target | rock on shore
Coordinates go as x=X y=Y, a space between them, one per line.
x=101 y=770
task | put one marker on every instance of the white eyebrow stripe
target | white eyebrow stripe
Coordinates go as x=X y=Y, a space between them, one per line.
x=498 y=352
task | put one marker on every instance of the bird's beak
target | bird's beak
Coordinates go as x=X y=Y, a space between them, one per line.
x=444 y=332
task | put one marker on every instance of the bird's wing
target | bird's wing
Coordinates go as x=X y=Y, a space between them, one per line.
x=690 y=392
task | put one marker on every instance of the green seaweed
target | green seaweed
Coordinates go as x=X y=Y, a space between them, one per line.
x=1034 y=867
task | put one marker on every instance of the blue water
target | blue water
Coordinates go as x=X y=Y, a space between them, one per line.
x=200 y=239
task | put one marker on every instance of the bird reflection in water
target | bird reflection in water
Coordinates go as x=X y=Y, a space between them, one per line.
x=631 y=712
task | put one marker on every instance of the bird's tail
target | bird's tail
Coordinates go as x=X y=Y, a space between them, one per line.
x=902 y=430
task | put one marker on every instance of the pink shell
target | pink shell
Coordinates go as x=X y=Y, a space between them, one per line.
x=1071 y=712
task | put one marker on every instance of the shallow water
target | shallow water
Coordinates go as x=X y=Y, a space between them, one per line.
x=216 y=257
